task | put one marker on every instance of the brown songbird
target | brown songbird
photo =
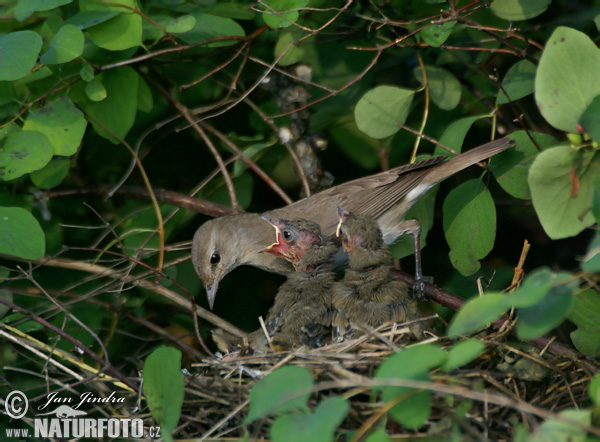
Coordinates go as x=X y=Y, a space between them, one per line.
x=222 y=244
x=368 y=294
x=301 y=314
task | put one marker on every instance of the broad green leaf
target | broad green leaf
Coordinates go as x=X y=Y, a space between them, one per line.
x=181 y=24
x=25 y=8
x=444 y=88
x=95 y=90
x=594 y=390
x=294 y=54
x=119 y=33
x=567 y=78
x=469 y=225
x=86 y=73
x=591 y=261
x=410 y=363
x=383 y=110
x=477 y=313
x=559 y=430
x=462 y=353
x=590 y=119
x=454 y=135
x=585 y=314
x=514 y=10
x=535 y=288
x=237 y=11
x=118 y=110
x=52 y=174
x=379 y=435
x=18 y=52
x=285 y=389
x=550 y=311
x=561 y=182
x=319 y=426
x=23 y=152
x=518 y=82
x=209 y=27
x=243 y=185
x=87 y=19
x=511 y=167
x=65 y=46
x=145 y=100
x=61 y=122
x=21 y=234
x=252 y=152
x=274 y=13
x=5 y=295
x=163 y=388
x=436 y=34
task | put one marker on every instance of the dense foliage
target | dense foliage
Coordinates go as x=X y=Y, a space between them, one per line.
x=104 y=104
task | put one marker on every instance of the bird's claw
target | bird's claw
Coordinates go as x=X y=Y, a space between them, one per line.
x=419 y=287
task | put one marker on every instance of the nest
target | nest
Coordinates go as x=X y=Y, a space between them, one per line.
x=506 y=387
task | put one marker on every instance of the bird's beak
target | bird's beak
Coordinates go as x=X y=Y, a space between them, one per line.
x=273 y=247
x=211 y=293
x=342 y=217
x=338 y=230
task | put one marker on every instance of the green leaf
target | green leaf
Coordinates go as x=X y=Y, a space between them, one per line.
x=209 y=27
x=511 y=167
x=18 y=52
x=95 y=90
x=236 y=11
x=585 y=314
x=5 y=295
x=181 y=24
x=118 y=110
x=319 y=426
x=52 y=174
x=274 y=13
x=469 y=225
x=518 y=82
x=444 y=88
x=379 y=435
x=567 y=78
x=21 y=234
x=591 y=261
x=454 y=135
x=293 y=54
x=535 y=288
x=383 y=110
x=562 y=185
x=549 y=312
x=514 y=10
x=163 y=387
x=410 y=363
x=145 y=100
x=436 y=34
x=23 y=152
x=25 y=8
x=65 y=46
x=87 y=19
x=121 y=32
x=559 y=430
x=86 y=73
x=61 y=122
x=590 y=119
x=285 y=389
x=477 y=313
x=462 y=353
x=594 y=390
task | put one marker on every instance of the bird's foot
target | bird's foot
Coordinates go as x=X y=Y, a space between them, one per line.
x=419 y=287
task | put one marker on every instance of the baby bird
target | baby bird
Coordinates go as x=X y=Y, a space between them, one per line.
x=368 y=294
x=301 y=314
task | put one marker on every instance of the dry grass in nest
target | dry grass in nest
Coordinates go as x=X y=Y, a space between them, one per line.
x=505 y=386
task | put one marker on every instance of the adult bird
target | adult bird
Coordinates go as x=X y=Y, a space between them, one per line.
x=222 y=244
x=301 y=313
x=368 y=294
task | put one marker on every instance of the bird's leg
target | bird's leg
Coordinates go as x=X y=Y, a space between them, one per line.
x=413 y=228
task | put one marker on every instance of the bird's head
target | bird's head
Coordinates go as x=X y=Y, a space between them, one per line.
x=293 y=238
x=357 y=231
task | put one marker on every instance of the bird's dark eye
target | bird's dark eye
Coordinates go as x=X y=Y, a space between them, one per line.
x=287 y=234
x=215 y=258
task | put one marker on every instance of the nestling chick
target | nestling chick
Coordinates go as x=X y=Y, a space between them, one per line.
x=368 y=294
x=301 y=314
